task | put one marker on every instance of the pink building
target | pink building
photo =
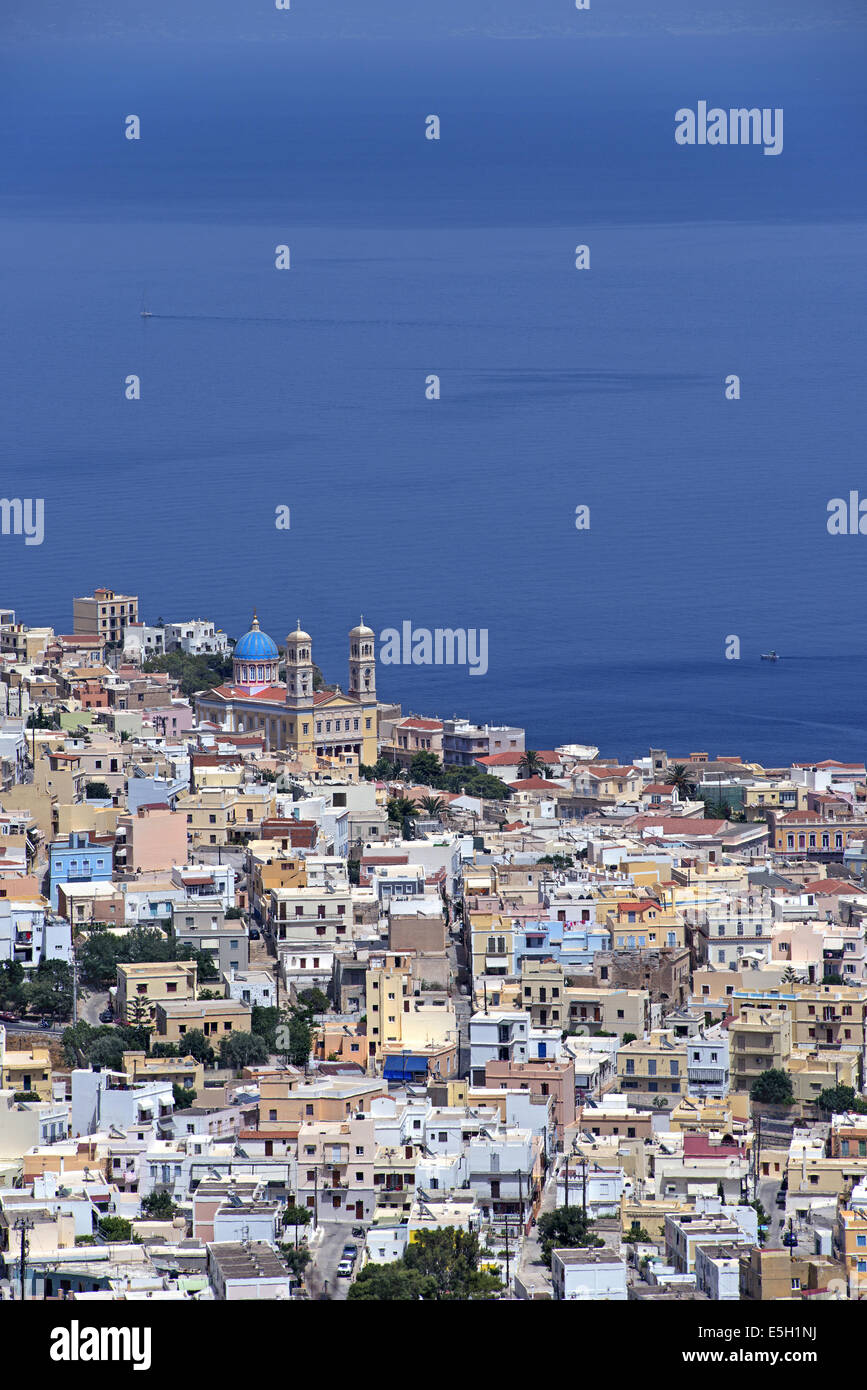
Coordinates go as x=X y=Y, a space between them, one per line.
x=156 y=838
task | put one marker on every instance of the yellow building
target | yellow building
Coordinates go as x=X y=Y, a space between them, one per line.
x=643 y=924
x=216 y=1018
x=602 y=1010
x=152 y=982
x=28 y=1070
x=210 y=815
x=652 y=1071
x=293 y=715
x=759 y=1040
x=823 y=1015
x=179 y=1071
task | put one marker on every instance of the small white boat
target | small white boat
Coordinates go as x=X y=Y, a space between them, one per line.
x=770 y=656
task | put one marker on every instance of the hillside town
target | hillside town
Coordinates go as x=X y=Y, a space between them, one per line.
x=305 y=996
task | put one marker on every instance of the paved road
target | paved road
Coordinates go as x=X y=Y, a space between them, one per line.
x=321 y=1273
x=767 y=1195
x=90 y=1008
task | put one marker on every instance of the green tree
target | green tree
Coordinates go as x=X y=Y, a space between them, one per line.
x=164 y=1049
x=629 y=1037
x=433 y=807
x=531 y=764
x=106 y=1052
x=838 y=1100
x=242 y=1050
x=451 y=1259
x=265 y=1022
x=194 y=1044
x=297 y=1260
x=138 y=1011
x=295 y=1037
x=314 y=1001
x=13 y=979
x=637 y=1234
x=402 y=812
x=48 y=989
x=97 y=791
x=115 y=1229
x=425 y=768
x=773 y=1087
x=295 y=1216
x=565 y=1228
x=391 y=1283
x=192 y=672
x=679 y=778
x=184 y=1096
x=158 y=1206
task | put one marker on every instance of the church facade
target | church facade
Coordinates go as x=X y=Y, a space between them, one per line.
x=290 y=714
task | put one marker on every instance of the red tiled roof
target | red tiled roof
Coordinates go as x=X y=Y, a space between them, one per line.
x=831 y=887
x=674 y=825
x=533 y=784
x=412 y=723
x=511 y=759
x=274 y=694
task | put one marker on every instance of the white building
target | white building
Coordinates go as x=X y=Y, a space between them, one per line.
x=30 y=932
x=101 y=1099
x=707 y=1064
x=594 y=1275
x=591 y=1184
x=718 y=1272
x=196 y=637
x=498 y=1036
x=141 y=642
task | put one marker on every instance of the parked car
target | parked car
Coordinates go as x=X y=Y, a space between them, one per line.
x=358 y=1230
x=344 y=1269
x=106 y=1016
x=790 y=1239
x=255 y=934
x=781 y=1197
x=349 y=1253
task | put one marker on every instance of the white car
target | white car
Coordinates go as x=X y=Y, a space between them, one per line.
x=344 y=1269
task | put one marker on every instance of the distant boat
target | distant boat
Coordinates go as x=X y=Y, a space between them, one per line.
x=770 y=656
x=145 y=311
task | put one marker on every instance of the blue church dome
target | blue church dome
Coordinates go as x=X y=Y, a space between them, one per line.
x=255 y=645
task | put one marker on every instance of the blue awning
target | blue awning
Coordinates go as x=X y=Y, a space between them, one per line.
x=401 y=1068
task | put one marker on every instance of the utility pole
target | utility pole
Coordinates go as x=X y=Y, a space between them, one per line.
x=584 y=1186
x=74 y=986
x=315 y=1195
x=23 y=1224
x=567 y=1180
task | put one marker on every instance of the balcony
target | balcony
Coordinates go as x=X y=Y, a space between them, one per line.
x=713 y=1076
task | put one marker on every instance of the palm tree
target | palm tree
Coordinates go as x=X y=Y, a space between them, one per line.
x=531 y=764
x=679 y=778
x=433 y=806
x=789 y=976
x=402 y=811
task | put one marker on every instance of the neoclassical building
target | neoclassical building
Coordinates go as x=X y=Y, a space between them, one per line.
x=290 y=713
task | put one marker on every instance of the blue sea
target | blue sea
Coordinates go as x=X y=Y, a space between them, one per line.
x=306 y=388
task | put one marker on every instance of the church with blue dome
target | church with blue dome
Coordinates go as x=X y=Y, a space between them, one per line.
x=289 y=713
x=255 y=660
